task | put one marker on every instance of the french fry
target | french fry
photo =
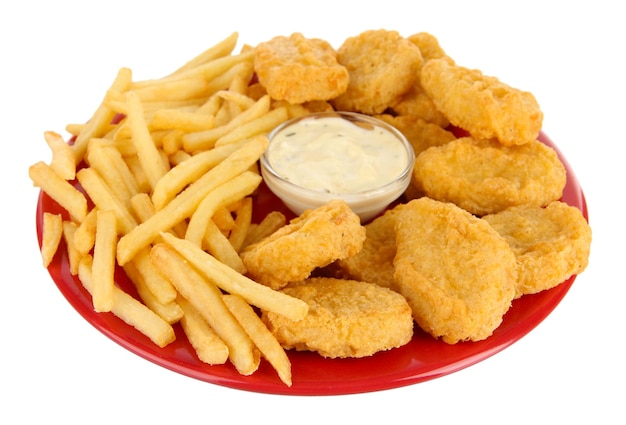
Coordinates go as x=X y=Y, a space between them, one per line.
x=273 y=221
x=167 y=170
x=178 y=157
x=59 y=189
x=143 y=209
x=185 y=173
x=238 y=98
x=123 y=145
x=63 y=161
x=221 y=49
x=172 y=142
x=170 y=119
x=171 y=90
x=52 y=232
x=209 y=347
x=101 y=195
x=235 y=189
x=122 y=134
x=161 y=89
x=142 y=206
x=258 y=126
x=148 y=91
x=211 y=106
x=203 y=140
x=103 y=267
x=235 y=283
x=243 y=220
x=222 y=118
x=75 y=129
x=188 y=105
x=73 y=254
x=99 y=160
x=207 y=299
x=149 y=157
x=156 y=282
x=171 y=312
x=235 y=205
x=115 y=101
x=223 y=81
x=185 y=203
x=85 y=235
x=208 y=71
x=116 y=160
x=130 y=310
x=102 y=118
x=265 y=341
x=238 y=85
x=112 y=158
x=223 y=219
x=139 y=175
x=220 y=247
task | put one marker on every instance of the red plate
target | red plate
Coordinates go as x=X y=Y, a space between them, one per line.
x=424 y=358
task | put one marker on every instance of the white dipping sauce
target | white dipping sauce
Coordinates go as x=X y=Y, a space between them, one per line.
x=334 y=155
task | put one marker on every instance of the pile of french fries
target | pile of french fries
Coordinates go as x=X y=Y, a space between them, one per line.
x=170 y=167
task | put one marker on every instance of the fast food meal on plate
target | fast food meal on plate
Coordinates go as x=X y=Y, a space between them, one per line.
x=164 y=184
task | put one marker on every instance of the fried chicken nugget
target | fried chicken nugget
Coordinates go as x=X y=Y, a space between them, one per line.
x=485 y=177
x=457 y=273
x=416 y=102
x=299 y=69
x=382 y=66
x=551 y=244
x=484 y=106
x=346 y=318
x=374 y=263
x=314 y=239
x=420 y=133
x=429 y=46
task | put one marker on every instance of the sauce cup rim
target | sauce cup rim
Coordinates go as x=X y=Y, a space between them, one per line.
x=352 y=196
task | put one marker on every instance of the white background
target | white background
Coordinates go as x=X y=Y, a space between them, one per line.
x=59 y=57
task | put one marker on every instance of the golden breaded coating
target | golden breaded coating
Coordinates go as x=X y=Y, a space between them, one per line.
x=457 y=273
x=346 y=318
x=429 y=46
x=314 y=239
x=299 y=69
x=374 y=263
x=420 y=133
x=382 y=66
x=417 y=103
x=484 y=106
x=485 y=177
x=318 y=106
x=551 y=244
